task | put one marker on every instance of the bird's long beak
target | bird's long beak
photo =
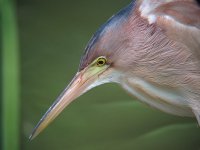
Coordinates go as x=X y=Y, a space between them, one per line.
x=82 y=82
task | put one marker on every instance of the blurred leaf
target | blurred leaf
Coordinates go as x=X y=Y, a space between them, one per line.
x=10 y=77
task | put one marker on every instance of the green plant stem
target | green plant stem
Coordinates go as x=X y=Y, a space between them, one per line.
x=10 y=76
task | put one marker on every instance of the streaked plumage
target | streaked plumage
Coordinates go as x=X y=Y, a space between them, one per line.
x=152 y=49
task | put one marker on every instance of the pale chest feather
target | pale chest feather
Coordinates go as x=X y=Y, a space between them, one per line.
x=163 y=98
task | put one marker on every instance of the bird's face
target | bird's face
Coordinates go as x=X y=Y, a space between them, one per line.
x=98 y=72
x=99 y=65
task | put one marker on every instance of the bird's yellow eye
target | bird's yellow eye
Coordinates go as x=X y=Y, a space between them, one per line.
x=101 y=62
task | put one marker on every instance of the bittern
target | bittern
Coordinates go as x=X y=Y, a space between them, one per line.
x=152 y=49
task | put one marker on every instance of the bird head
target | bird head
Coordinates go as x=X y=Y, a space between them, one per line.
x=102 y=62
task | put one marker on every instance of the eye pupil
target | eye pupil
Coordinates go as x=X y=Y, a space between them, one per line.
x=101 y=62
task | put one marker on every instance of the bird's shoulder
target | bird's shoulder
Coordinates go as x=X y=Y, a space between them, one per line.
x=185 y=12
x=180 y=19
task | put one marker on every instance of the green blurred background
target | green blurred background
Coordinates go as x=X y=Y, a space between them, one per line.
x=41 y=44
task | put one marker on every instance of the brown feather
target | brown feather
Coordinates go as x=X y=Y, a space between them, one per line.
x=158 y=42
x=179 y=24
